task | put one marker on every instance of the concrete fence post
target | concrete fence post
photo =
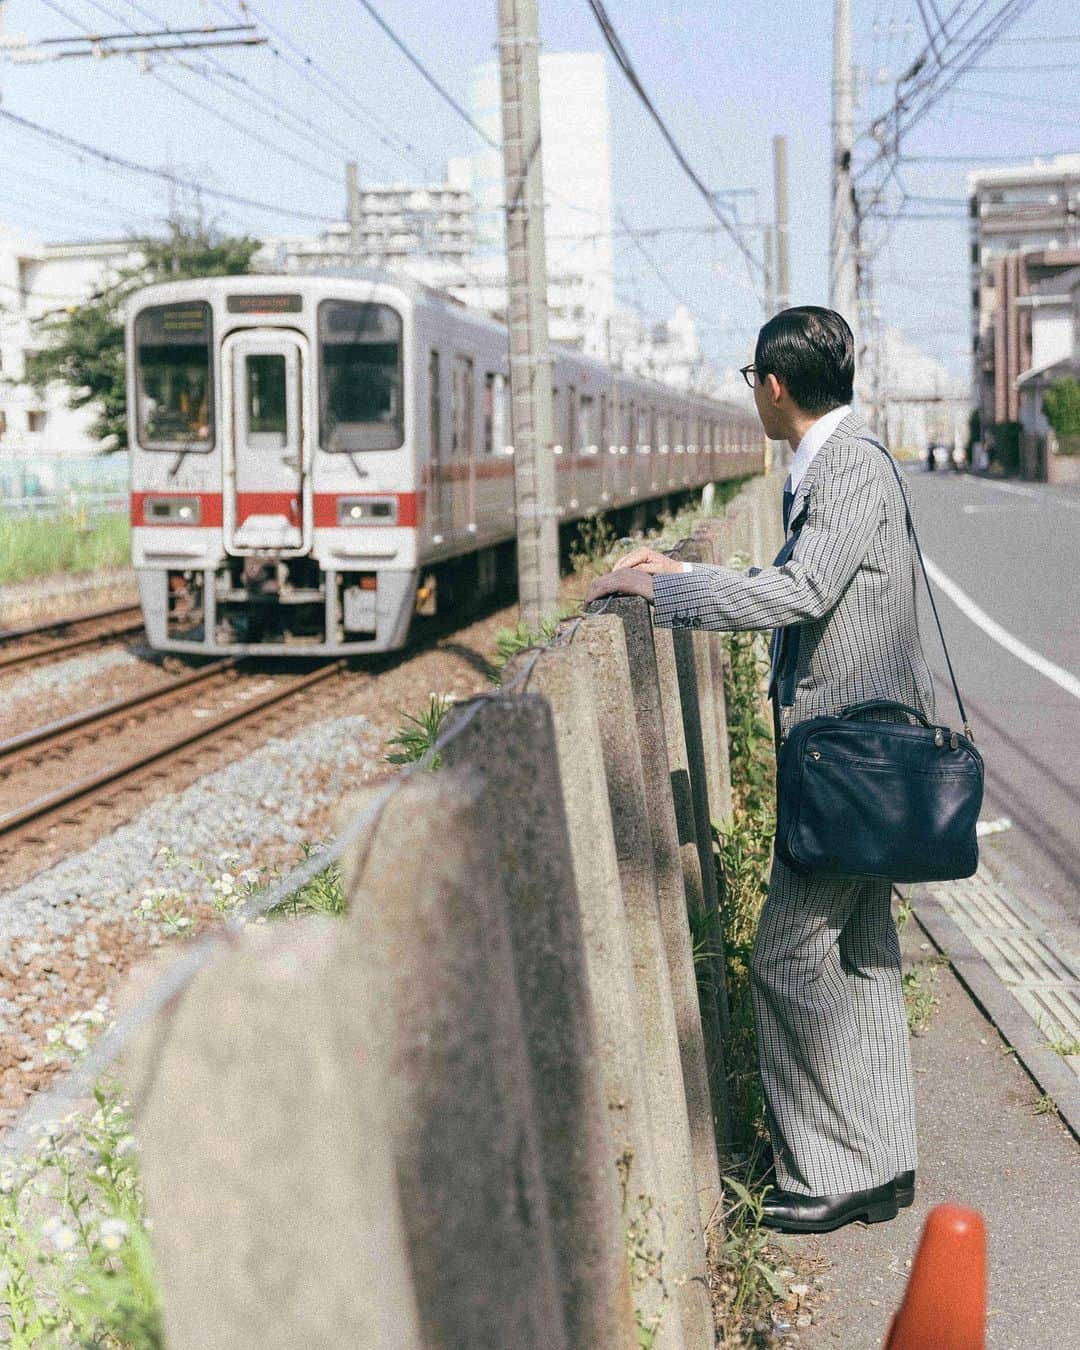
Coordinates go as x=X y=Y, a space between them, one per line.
x=509 y=742
x=720 y=799
x=601 y=635
x=267 y=1160
x=671 y=890
x=561 y=675
x=427 y=933
x=682 y=725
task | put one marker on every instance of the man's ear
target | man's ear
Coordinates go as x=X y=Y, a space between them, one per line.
x=777 y=389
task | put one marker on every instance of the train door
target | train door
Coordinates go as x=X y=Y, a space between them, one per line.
x=438 y=499
x=266 y=480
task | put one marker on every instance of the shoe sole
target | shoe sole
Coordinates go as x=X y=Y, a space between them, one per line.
x=873 y=1214
x=905 y=1199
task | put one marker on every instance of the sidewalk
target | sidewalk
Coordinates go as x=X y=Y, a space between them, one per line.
x=981 y=1144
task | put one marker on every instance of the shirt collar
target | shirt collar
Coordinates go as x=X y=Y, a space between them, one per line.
x=813 y=439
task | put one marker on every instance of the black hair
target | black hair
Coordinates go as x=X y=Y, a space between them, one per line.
x=812 y=350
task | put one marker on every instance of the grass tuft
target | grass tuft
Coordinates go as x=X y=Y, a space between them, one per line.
x=73 y=543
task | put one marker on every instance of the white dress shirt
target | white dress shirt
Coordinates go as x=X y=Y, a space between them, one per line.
x=813 y=439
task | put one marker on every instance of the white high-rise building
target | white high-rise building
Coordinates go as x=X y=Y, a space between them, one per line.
x=577 y=190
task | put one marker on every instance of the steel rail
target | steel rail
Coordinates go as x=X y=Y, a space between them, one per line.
x=67 y=645
x=57 y=730
x=28 y=630
x=112 y=773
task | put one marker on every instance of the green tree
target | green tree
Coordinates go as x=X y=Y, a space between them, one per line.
x=85 y=343
x=1061 y=404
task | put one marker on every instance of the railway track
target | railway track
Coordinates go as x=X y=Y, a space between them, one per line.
x=30 y=644
x=30 y=817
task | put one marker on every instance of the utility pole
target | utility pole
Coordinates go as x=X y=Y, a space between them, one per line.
x=780 y=206
x=844 y=232
x=530 y=360
x=352 y=212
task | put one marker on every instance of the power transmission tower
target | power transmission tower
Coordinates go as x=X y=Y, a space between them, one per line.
x=780 y=207
x=844 y=231
x=530 y=359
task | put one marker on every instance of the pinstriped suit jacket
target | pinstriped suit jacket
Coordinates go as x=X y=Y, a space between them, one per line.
x=850 y=584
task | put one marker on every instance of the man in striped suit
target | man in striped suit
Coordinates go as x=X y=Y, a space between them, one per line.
x=828 y=999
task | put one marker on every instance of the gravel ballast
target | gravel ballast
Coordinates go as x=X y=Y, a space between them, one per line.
x=67 y=935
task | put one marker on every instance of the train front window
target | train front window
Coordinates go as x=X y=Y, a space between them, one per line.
x=267 y=420
x=360 y=385
x=174 y=384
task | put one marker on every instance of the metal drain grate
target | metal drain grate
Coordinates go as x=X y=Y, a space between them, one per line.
x=1044 y=979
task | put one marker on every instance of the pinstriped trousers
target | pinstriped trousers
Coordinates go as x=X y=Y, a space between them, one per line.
x=832 y=1034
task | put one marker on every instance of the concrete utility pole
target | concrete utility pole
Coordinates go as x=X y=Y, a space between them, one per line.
x=844 y=234
x=352 y=211
x=769 y=255
x=780 y=207
x=530 y=359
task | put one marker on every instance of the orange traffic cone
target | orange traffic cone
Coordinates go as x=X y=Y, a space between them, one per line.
x=944 y=1305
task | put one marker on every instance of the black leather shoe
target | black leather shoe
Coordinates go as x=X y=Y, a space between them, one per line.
x=905 y=1189
x=793 y=1213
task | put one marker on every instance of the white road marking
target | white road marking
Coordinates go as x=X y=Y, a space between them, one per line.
x=971 y=510
x=1002 y=636
x=999 y=826
x=1046 y=498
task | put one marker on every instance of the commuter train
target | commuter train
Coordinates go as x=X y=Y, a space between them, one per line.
x=317 y=457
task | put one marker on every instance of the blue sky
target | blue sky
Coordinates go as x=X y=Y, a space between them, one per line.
x=726 y=77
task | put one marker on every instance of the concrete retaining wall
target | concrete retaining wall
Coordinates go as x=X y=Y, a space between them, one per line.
x=486 y=1108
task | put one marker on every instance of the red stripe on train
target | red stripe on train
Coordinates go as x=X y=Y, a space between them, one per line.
x=324 y=507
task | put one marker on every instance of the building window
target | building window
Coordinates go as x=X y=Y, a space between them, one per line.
x=35 y=420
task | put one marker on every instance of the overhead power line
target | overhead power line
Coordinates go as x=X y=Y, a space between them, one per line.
x=429 y=78
x=623 y=61
x=165 y=175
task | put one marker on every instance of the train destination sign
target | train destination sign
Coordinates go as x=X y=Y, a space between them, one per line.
x=264 y=304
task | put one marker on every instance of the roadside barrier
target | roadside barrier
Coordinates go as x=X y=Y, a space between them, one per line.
x=486 y=1107
x=944 y=1305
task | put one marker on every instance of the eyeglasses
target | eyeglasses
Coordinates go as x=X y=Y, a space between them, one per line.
x=748 y=373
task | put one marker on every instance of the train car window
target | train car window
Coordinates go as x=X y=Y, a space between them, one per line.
x=494 y=413
x=360 y=377
x=174 y=387
x=587 y=427
x=461 y=407
x=265 y=410
x=434 y=405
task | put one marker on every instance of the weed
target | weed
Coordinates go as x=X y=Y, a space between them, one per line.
x=590 y=553
x=75 y=543
x=1044 y=1105
x=904 y=912
x=1060 y=1042
x=418 y=735
x=920 y=1001
x=84 y=1275
x=745 y=1261
x=744 y=854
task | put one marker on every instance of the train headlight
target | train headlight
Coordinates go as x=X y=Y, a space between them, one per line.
x=171 y=511
x=367 y=511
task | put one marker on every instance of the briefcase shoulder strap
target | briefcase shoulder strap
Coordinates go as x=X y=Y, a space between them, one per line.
x=929 y=589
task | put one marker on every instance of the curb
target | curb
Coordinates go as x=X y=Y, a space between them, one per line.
x=994 y=1000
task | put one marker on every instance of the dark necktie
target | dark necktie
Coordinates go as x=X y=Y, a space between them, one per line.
x=789 y=497
x=777 y=637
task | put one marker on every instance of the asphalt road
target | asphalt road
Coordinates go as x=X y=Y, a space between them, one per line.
x=1014 y=549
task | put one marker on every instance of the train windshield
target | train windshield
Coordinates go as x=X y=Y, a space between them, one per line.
x=360 y=384
x=174 y=385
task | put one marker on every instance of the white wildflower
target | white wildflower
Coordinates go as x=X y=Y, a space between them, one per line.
x=53 y=1035
x=125 y=1145
x=59 y=1234
x=7 y=1182
x=113 y=1234
x=182 y=922
x=75 y=1039
x=224 y=885
x=248 y=877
